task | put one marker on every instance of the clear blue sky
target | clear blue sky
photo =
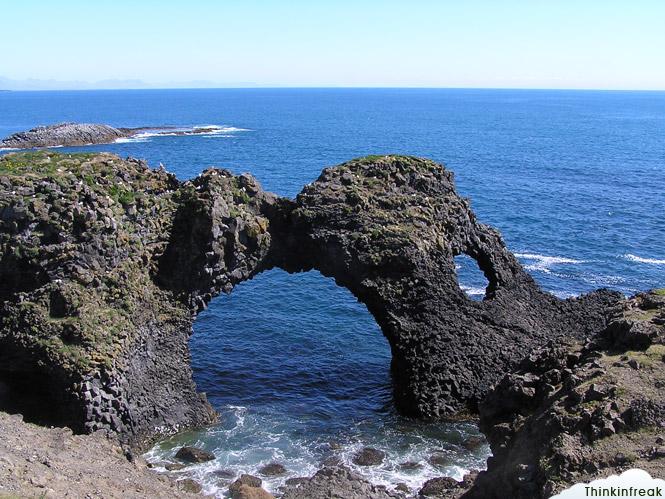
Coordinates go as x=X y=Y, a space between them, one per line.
x=615 y=44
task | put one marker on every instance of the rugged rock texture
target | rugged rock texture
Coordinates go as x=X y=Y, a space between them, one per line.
x=64 y=134
x=577 y=412
x=105 y=263
x=37 y=462
x=388 y=228
x=337 y=482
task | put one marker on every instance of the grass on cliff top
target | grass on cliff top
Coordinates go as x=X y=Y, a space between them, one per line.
x=374 y=158
x=42 y=163
x=659 y=292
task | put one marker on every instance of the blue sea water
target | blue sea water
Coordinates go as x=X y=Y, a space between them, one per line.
x=575 y=181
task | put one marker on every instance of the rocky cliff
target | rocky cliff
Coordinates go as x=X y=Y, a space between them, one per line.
x=105 y=263
x=582 y=410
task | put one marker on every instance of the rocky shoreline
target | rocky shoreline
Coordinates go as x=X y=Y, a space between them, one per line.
x=106 y=263
x=82 y=134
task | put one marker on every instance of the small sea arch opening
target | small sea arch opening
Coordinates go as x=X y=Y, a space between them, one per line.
x=470 y=278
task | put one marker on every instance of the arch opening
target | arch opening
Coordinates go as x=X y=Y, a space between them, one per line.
x=470 y=278
x=300 y=373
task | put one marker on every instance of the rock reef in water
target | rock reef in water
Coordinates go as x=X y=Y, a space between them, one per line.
x=64 y=134
x=82 y=134
x=105 y=264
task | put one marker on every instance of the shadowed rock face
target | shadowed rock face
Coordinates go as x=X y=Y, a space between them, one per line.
x=106 y=263
x=580 y=411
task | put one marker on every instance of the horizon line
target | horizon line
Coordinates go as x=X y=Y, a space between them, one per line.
x=340 y=87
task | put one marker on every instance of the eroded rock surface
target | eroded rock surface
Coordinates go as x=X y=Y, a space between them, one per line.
x=105 y=263
x=388 y=229
x=337 y=482
x=581 y=411
x=52 y=462
x=81 y=134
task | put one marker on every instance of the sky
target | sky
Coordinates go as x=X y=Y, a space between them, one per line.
x=598 y=44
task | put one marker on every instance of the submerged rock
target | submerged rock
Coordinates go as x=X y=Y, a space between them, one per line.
x=272 y=469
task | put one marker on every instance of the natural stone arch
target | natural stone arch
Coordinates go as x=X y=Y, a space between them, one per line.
x=107 y=316
x=387 y=228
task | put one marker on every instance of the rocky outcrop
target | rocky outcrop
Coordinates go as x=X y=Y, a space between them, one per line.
x=580 y=411
x=64 y=134
x=388 y=229
x=337 y=482
x=106 y=262
x=82 y=134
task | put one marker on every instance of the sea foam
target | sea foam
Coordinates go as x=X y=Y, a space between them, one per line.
x=544 y=263
x=639 y=259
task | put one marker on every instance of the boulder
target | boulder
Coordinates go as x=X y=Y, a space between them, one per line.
x=369 y=456
x=438 y=487
x=194 y=455
x=272 y=469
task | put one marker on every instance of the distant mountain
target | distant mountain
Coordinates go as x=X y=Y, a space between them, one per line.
x=8 y=84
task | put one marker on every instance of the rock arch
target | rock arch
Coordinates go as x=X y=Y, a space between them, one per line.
x=134 y=266
x=387 y=228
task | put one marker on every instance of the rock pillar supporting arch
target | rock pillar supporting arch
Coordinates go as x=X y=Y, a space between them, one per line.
x=388 y=228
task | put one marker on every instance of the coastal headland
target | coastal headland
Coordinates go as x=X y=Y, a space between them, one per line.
x=105 y=263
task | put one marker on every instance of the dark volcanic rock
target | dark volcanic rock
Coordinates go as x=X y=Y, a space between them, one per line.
x=248 y=487
x=64 y=134
x=336 y=483
x=272 y=469
x=245 y=479
x=388 y=229
x=189 y=485
x=194 y=455
x=575 y=413
x=438 y=487
x=369 y=457
x=80 y=134
x=105 y=263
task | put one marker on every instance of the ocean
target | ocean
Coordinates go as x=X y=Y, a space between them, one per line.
x=297 y=368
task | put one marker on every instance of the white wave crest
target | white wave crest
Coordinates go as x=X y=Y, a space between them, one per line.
x=473 y=291
x=126 y=140
x=205 y=131
x=639 y=259
x=544 y=262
